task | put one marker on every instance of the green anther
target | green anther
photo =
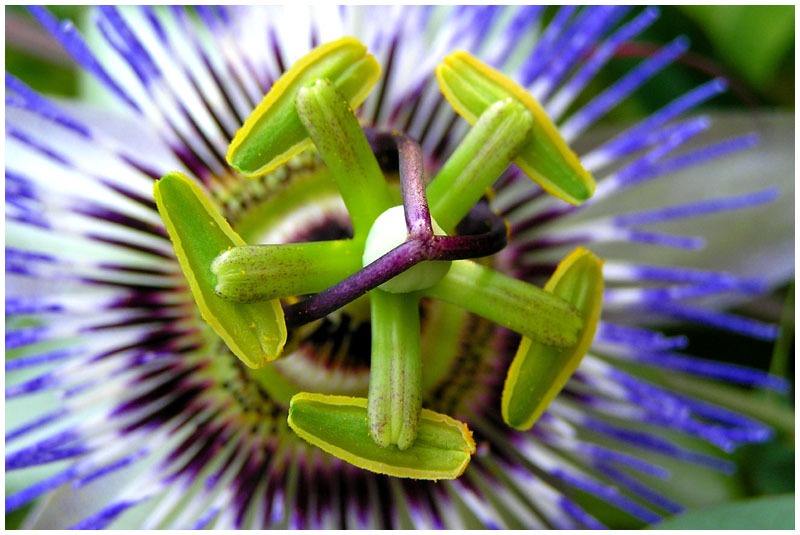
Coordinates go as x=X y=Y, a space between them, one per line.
x=395 y=376
x=512 y=303
x=471 y=87
x=483 y=155
x=334 y=129
x=338 y=425
x=537 y=372
x=255 y=332
x=261 y=272
x=273 y=133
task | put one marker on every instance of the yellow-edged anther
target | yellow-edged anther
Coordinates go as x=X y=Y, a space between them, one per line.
x=255 y=332
x=538 y=372
x=472 y=86
x=273 y=133
x=338 y=425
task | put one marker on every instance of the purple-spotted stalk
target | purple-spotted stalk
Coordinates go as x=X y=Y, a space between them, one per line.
x=514 y=304
x=334 y=129
x=260 y=272
x=483 y=155
x=395 y=375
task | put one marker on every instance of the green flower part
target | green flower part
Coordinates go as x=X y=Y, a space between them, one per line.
x=125 y=409
x=471 y=87
x=256 y=333
x=337 y=424
x=272 y=134
x=404 y=252
x=538 y=372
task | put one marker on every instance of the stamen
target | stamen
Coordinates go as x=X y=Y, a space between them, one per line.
x=334 y=129
x=482 y=156
x=472 y=87
x=395 y=377
x=256 y=332
x=273 y=134
x=537 y=372
x=519 y=306
x=251 y=273
x=338 y=425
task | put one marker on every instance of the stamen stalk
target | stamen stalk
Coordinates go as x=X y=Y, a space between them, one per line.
x=514 y=304
x=260 y=272
x=395 y=384
x=483 y=155
x=338 y=137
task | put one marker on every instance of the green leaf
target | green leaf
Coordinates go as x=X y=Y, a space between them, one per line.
x=273 y=133
x=768 y=512
x=255 y=332
x=338 y=425
x=538 y=372
x=471 y=87
x=753 y=39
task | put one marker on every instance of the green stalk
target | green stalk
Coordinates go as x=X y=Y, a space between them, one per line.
x=395 y=380
x=338 y=137
x=519 y=306
x=483 y=155
x=261 y=272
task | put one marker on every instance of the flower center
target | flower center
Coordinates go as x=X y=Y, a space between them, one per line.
x=389 y=231
x=332 y=355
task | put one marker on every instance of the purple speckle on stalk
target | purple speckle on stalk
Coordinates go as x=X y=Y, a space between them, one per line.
x=415 y=203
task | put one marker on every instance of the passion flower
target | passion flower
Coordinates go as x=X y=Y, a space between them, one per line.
x=125 y=408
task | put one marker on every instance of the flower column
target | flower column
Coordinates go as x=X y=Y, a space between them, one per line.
x=407 y=252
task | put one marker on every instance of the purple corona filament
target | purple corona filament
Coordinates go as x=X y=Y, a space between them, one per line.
x=421 y=244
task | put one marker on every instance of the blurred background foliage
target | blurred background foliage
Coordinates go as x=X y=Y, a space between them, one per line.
x=753 y=48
